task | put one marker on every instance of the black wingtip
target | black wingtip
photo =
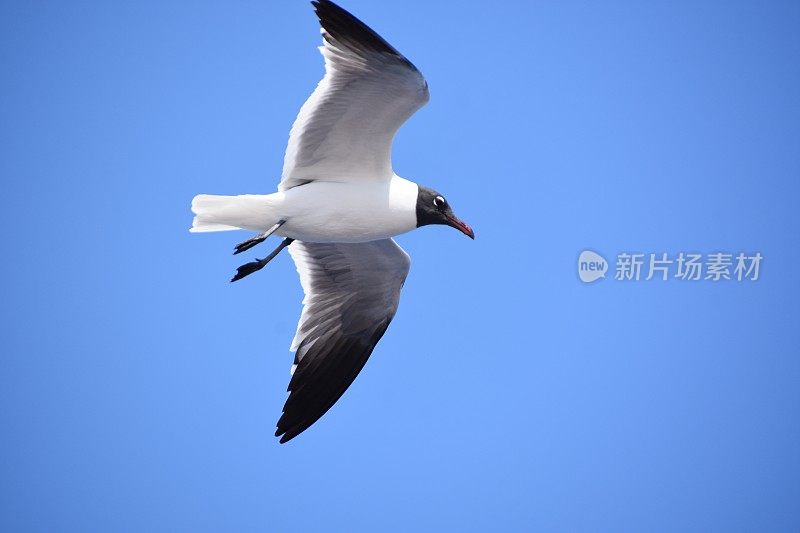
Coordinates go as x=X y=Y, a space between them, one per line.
x=288 y=431
x=348 y=30
x=285 y=436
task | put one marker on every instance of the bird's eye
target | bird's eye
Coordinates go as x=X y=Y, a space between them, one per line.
x=439 y=201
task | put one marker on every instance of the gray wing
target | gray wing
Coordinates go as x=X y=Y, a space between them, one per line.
x=351 y=296
x=344 y=131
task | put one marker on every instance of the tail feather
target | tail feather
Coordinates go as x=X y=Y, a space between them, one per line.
x=224 y=213
x=198 y=226
x=209 y=210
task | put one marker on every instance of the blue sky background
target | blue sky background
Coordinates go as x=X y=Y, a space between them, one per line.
x=140 y=389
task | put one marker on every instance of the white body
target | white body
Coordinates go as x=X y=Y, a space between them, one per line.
x=320 y=211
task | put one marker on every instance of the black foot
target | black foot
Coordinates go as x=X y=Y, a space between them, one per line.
x=248 y=268
x=254 y=266
x=249 y=243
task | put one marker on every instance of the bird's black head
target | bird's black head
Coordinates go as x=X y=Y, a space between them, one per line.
x=432 y=208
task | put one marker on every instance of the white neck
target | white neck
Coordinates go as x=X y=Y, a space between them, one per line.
x=403 y=195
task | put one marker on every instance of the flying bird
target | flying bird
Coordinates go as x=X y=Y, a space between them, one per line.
x=338 y=205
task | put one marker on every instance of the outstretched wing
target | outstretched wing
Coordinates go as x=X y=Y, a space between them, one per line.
x=345 y=129
x=351 y=296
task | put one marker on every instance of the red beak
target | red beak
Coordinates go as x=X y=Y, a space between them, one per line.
x=461 y=226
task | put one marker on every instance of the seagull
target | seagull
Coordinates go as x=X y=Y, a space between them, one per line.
x=337 y=207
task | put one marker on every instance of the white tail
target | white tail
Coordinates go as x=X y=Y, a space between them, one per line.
x=210 y=211
x=224 y=213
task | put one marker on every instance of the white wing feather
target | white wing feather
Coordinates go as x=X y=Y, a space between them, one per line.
x=345 y=129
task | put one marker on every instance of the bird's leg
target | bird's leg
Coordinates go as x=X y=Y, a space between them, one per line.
x=249 y=243
x=258 y=264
